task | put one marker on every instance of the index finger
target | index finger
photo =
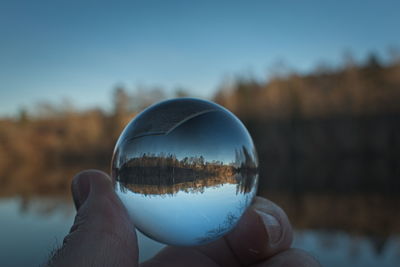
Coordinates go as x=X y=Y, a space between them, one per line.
x=263 y=231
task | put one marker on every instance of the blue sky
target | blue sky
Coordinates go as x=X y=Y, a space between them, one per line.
x=80 y=50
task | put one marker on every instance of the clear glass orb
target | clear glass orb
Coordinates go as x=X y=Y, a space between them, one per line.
x=186 y=170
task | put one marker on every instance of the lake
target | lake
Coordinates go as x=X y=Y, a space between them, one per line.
x=30 y=228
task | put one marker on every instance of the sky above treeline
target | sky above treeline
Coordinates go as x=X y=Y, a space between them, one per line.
x=81 y=50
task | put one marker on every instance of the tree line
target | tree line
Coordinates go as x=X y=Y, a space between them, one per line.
x=352 y=110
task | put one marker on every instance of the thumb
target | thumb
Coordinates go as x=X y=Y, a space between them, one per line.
x=102 y=233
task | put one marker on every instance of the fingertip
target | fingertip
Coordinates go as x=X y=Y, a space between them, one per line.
x=263 y=231
x=96 y=202
x=101 y=227
x=80 y=188
x=276 y=222
x=86 y=181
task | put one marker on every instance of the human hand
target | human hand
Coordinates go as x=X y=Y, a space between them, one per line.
x=103 y=235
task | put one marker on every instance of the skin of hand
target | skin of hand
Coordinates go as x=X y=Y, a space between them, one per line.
x=104 y=235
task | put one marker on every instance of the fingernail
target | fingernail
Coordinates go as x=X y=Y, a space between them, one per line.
x=272 y=226
x=80 y=188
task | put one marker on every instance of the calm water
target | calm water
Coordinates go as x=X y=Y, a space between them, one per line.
x=30 y=230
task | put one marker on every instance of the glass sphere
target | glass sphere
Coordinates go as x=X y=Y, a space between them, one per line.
x=186 y=170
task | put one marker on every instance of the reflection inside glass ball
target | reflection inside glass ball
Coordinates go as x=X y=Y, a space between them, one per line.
x=186 y=170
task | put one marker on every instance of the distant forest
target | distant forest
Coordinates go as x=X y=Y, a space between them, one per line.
x=333 y=129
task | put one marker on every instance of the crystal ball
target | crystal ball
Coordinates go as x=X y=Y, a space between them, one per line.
x=186 y=170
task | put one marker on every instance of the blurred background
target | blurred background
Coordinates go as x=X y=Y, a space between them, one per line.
x=316 y=83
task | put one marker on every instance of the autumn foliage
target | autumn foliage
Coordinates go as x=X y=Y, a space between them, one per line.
x=290 y=117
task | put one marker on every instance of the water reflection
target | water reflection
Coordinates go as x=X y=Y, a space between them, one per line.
x=338 y=248
x=35 y=234
x=186 y=169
